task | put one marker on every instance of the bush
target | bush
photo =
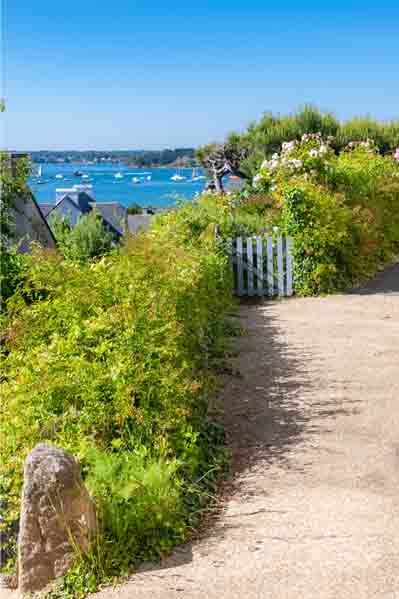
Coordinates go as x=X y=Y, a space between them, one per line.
x=88 y=239
x=342 y=211
x=113 y=361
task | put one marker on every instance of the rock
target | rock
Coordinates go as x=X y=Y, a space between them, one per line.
x=58 y=517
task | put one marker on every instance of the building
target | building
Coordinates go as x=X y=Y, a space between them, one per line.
x=29 y=223
x=72 y=203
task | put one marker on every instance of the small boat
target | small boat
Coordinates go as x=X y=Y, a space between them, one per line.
x=78 y=174
x=59 y=176
x=177 y=177
x=85 y=177
x=149 y=178
x=136 y=180
x=39 y=172
x=118 y=176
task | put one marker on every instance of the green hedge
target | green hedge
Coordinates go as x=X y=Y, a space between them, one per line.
x=113 y=361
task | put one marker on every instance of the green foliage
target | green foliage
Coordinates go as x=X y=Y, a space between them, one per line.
x=12 y=184
x=213 y=213
x=342 y=212
x=324 y=241
x=264 y=138
x=113 y=360
x=88 y=239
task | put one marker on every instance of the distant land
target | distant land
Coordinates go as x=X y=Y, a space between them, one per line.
x=179 y=157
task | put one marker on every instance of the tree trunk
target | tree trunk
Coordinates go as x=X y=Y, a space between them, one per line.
x=218 y=183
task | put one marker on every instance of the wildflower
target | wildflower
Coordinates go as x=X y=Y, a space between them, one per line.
x=396 y=155
x=313 y=153
x=265 y=164
x=273 y=165
x=296 y=163
x=288 y=146
x=275 y=156
x=323 y=149
x=257 y=179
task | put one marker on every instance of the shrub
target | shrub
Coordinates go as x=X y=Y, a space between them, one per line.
x=343 y=212
x=88 y=239
x=113 y=361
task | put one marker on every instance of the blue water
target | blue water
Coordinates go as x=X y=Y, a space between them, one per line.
x=160 y=191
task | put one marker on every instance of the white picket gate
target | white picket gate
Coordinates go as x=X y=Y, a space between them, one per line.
x=262 y=265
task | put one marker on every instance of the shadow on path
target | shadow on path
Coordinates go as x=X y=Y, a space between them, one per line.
x=271 y=405
x=385 y=282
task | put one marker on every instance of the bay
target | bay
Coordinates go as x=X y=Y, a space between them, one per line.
x=155 y=187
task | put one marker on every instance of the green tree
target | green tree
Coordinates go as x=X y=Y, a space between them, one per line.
x=88 y=239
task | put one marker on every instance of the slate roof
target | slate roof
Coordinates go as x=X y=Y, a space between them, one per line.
x=138 y=222
x=30 y=224
x=46 y=208
x=113 y=213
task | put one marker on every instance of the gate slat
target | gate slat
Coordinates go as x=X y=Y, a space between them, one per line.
x=270 y=266
x=250 y=263
x=259 y=265
x=280 y=266
x=289 y=262
x=240 y=270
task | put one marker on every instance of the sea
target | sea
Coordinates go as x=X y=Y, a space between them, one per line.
x=149 y=187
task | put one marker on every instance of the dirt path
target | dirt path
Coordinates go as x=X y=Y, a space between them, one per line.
x=314 y=427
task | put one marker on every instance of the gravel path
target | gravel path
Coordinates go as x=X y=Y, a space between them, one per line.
x=313 y=423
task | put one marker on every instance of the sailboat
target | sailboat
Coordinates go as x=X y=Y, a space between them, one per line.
x=118 y=176
x=39 y=172
x=177 y=177
x=195 y=177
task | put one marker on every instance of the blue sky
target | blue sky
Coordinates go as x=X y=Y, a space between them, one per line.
x=138 y=74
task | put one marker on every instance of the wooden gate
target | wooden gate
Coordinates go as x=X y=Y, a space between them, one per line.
x=262 y=265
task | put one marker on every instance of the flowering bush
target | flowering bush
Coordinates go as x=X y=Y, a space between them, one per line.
x=367 y=145
x=311 y=157
x=342 y=210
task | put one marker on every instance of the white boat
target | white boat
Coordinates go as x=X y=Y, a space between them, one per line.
x=195 y=177
x=59 y=176
x=118 y=176
x=136 y=180
x=149 y=178
x=85 y=177
x=39 y=172
x=177 y=177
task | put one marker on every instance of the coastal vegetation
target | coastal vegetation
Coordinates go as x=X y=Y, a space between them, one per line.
x=263 y=138
x=115 y=360
x=88 y=239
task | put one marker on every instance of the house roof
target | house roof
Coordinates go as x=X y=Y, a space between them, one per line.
x=46 y=208
x=31 y=224
x=114 y=213
x=139 y=222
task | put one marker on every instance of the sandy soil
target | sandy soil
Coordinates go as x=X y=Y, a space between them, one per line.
x=312 y=510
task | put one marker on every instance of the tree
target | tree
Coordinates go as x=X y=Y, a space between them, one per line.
x=88 y=239
x=222 y=160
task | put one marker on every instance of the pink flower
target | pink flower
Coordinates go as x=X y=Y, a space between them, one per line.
x=396 y=155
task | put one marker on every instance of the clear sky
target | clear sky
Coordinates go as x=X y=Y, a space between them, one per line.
x=146 y=74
